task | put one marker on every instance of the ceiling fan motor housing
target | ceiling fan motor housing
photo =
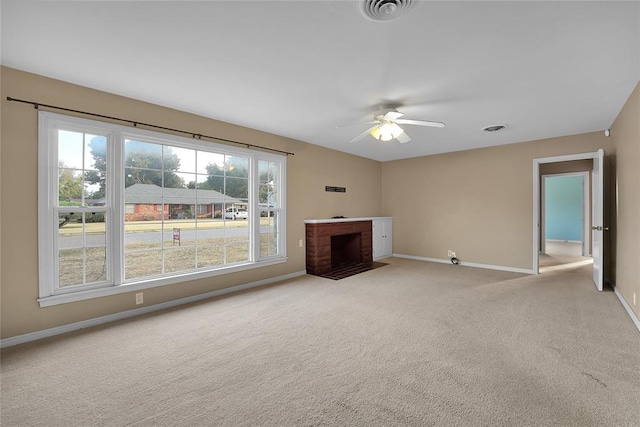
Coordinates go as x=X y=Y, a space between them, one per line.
x=382 y=112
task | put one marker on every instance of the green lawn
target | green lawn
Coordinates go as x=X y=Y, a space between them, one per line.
x=143 y=259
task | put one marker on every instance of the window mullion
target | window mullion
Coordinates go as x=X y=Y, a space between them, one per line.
x=115 y=200
x=254 y=211
x=282 y=216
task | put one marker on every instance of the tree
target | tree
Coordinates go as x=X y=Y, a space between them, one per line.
x=145 y=163
x=264 y=190
x=69 y=192
x=230 y=178
x=98 y=146
x=69 y=186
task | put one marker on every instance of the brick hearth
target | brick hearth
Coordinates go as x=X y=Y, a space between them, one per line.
x=318 y=238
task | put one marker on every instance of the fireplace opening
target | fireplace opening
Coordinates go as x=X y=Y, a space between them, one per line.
x=333 y=243
x=346 y=249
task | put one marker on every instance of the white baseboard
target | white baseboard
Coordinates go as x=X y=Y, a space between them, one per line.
x=627 y=307
x=46 y=333
x=468 y=264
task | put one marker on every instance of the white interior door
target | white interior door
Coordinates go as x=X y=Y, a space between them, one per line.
x=598 y=228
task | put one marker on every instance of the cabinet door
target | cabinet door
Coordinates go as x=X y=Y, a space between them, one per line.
x=377 y=229
x=387 y=237
x=382 y=238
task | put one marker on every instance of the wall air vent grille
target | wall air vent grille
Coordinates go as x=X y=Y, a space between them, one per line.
x=385 y=10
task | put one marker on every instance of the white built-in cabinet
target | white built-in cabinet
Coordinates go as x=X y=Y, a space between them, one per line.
x=382 y=229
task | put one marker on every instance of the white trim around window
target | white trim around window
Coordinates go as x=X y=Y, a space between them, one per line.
x=79 y=188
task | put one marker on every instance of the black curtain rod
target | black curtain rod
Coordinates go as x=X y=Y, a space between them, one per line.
x=135 y=123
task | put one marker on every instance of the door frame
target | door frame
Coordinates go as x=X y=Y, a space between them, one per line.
x=586 y=210
x=536 y=197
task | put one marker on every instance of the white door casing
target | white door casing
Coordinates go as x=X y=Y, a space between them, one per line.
x=597 y=198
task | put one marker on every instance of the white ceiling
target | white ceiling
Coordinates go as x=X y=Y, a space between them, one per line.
x=301 y=68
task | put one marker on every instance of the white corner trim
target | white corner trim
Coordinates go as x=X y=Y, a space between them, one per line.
x=627 y=307
x=468 y=264
x=46 y=333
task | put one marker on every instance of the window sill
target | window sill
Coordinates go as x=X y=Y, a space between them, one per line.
x=150 y=283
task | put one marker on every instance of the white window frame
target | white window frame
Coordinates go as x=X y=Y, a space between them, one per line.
x=281 y=217
x=49 y=294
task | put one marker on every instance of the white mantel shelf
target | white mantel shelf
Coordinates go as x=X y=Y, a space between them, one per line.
x=329 y=220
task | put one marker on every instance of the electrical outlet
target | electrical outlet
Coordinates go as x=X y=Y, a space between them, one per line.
x=139 y=298
x=300 y=243
x=449 y=253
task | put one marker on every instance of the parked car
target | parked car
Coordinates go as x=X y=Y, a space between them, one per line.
x=265 y=209
x=235 y=213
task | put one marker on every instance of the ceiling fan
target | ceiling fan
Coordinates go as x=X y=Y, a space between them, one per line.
x=386 y=127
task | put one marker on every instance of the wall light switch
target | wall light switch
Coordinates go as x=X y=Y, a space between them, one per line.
x=139 y=298
x=300 y=243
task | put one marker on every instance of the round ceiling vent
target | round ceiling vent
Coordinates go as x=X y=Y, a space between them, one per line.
x=384 y=10
x=494 y=128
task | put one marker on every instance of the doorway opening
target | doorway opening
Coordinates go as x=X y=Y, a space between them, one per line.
x=565 y=220
x=549 y=166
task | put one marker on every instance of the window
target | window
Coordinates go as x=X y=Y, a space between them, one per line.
x=123 y=208
x=269 y=206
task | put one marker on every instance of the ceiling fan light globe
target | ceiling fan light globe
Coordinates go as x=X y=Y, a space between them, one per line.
x=386 y=132
x=375 y=132
x=395 y=130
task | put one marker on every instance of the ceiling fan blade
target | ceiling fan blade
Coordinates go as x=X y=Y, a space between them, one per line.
x=403 y=138
x=355 y=124
x=420 y=123
x=363 y=134
x=393 y=115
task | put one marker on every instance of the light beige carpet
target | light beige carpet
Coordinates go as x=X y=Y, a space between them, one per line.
x=413 y=343
x=562 y=253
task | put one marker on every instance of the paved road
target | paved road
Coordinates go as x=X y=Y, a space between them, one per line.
x=75 y=241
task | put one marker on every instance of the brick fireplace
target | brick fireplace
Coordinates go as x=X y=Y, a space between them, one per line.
x=333 y=244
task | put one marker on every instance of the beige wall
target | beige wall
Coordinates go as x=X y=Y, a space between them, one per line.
x=566 y=167
x=625 y=134
x=309 y=171
x=478 y=203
